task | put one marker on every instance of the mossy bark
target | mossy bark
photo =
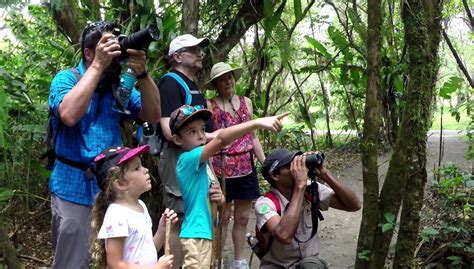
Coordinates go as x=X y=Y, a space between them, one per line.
x=369 y=146
x=406 y=175
x=427 y=44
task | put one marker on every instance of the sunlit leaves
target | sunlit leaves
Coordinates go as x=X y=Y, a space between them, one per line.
x=298 y=9
x=318 y=46
x=451 y=86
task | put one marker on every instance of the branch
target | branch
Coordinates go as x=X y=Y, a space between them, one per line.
x=458 y=60
x=469 y=14
x=249 y=14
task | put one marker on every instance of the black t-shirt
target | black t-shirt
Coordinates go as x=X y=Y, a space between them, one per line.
x=172 y=95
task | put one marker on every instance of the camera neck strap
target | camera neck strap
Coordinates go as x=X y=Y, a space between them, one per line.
x=315 y=212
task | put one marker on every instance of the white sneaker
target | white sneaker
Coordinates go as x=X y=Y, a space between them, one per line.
x=240 y=264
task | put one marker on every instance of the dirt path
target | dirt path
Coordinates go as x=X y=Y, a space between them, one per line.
x=339 y=230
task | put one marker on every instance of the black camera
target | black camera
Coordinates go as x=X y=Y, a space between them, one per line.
x=314 y=160
x=139 y=40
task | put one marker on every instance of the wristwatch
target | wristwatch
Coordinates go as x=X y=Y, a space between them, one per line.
x=142 y=75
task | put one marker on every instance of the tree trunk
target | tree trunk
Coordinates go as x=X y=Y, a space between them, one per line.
x=68 y=18
x=369 y=146
x=325 y=92
x=190 y=19
x=408 y=163
x=414 y=190
x=8 y=252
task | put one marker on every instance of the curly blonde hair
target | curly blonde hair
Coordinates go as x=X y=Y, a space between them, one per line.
x=103 y=200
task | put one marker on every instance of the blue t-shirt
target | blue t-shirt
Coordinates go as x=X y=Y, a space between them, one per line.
x=194 y=185
x=98 y=129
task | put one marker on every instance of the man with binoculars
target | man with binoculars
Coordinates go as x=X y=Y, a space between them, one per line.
x=287 y=216
x=84 y=123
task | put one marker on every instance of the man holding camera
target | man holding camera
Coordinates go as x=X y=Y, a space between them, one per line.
x=84 y=124
x=290 y=235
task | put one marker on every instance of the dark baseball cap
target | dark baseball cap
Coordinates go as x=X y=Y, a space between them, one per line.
x=276 y=159
x=114 y=156
x=187 y=113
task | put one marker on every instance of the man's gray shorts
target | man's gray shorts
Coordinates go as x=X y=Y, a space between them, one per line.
x=312 y=263
x=70 y=231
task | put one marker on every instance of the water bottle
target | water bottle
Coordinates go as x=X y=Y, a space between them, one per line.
x=149 y=138
x=124 y=90
x=255 y=246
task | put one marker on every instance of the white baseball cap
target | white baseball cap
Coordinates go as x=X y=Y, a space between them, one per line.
x=186 y=41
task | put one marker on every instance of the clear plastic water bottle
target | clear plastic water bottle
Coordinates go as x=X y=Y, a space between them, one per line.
x=255 y=245
x=124 y=90
x=251 y=240
x=150 y=138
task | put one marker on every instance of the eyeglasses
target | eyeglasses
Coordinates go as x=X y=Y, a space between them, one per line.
x=186 y=110
x=196 y=50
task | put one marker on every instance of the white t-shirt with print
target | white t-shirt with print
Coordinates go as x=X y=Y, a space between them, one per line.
x=120 y=221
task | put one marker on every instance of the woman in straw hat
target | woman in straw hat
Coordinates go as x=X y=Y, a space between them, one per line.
x=238 y=167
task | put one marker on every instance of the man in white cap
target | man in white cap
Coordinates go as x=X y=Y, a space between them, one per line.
x=186 y=56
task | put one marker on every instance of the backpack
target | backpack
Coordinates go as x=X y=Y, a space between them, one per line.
x=265 y=246
x=51 y=134
x=155 y=138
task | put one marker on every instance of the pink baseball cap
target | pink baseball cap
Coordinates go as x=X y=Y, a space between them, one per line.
x=114 y=156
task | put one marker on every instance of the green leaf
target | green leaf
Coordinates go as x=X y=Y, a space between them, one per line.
x=358 y=26
x=5 y=194
x=267 y=8
x=318 y=46
x=38 y=167
x=449 y=87
x=389 y=217
x=387 y=227
x=298 y=10
x=428 y=233
x=271 y=21
x=398 y=84
x=338 y=38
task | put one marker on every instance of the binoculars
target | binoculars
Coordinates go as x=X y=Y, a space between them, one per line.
x=314 y=160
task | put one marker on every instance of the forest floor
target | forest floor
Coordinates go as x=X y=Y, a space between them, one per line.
x=338 y=231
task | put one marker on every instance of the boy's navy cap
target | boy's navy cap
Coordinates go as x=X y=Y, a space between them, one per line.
x=114 y=156
x=185 y=114
x=276 y=159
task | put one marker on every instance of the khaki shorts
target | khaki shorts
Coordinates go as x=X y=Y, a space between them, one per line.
x=312 y=263
x=197 y=252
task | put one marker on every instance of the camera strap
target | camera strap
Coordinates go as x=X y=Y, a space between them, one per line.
x=315 y=212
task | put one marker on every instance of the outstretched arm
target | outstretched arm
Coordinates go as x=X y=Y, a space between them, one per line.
x=257 y=147
x=344 y=198
x=228 y=135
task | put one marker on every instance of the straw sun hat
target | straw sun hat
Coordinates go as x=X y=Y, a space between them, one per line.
x=220 y=69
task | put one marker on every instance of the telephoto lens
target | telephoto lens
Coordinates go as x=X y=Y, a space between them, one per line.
x=314 y=160
x=139 y=40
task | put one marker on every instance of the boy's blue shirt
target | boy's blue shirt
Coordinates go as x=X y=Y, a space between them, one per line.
x=194 y=185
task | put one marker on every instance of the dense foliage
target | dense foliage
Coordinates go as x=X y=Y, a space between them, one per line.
x=306 y=57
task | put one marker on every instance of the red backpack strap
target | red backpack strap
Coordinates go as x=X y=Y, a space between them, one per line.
x=264 y=245
x=272 y=196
